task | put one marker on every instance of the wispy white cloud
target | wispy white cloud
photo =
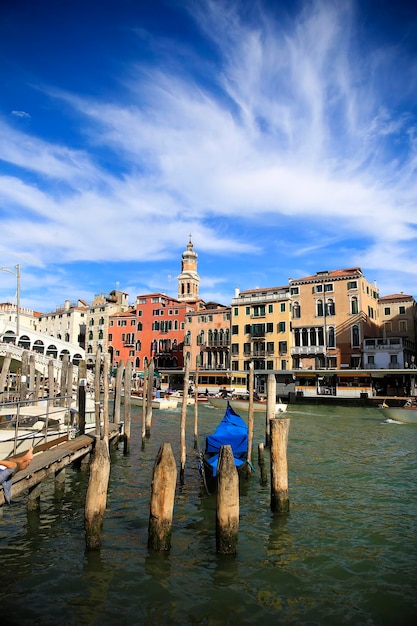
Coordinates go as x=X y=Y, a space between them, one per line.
x=21 y=114
x=294 y=123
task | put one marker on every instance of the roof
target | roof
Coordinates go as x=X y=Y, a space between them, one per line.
x=332 y=274
x=395 y=297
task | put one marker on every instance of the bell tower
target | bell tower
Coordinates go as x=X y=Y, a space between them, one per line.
x=188 y=280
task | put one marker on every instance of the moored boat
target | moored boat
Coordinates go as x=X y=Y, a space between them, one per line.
x=241 y=403
x=157 y=403
x=232 y=431
x=406 y=413
x=36 y=425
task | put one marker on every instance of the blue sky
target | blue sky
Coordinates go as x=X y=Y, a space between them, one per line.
x=281 y=135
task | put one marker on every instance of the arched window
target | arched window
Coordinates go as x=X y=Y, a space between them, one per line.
x=355 y=336
x=319 y=308
x=297 y=337
x=304 y=337
x=296 y=310
x=354 y=308
x=330 y=307
x=139 y=325
x=312 y=336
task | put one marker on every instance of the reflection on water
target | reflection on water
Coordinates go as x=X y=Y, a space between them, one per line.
x=345 y=553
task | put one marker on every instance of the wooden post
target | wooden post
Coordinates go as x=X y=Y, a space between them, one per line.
x=144 y=399
x=96 y=498
x=106 y=395
x=148 y=424
x=196 y=408
x=250 y=418
x=63 y=381
x=127 y=407
x=82 y=382
x=271 y=400
x=118 y=392
x=227 y=503
x=32 y=377
x=60 y=481
x=5 y=372
x=184 y=416
x=37 y=387
x=261 y=463
x=34 y=497
x=24 y=376
x=70 y=382
x=279 y=465
x=97 y=390
x=51 y=380
x=164 y=480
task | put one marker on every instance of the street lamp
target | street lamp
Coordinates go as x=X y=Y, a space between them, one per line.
x=17 y=274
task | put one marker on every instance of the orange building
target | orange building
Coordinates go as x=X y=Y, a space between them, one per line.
x=122 y=337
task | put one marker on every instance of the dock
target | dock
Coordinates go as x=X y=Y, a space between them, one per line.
x=52 y=461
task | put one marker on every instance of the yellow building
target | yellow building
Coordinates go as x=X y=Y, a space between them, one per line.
x=261 y=329
x=332 y=313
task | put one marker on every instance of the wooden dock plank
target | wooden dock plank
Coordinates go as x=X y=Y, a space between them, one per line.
x=48 y=462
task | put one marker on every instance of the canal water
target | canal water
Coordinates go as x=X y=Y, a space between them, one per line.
x=345 y=554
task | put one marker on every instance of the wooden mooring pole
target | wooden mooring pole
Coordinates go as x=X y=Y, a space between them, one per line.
x=227 y=503
x=149 y=398
x=271 y=400
x=127 y=407
x=279 y=466
x=184 y=417
x=82 y=384
x=96 y=498
x=164 y=480
x=249 y=466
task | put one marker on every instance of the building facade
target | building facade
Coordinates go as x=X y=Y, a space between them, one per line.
x=332 y=313
x=207 y=337
x=67 y=323
x=261 y=329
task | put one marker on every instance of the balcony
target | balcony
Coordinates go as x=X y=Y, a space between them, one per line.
x=308 y=350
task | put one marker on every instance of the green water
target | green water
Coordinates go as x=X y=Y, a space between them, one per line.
x=345 y=554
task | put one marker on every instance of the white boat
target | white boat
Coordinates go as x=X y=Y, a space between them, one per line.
x=239 y=404
x=157 y=403
x=406 y=413
x=37 y=425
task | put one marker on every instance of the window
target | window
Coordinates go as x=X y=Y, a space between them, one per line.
x=402 y=326
x=270 y=347
x=388 y=327
x=235 y=349
x=330 y=307
x=387 y=311
x=401 y=310
x=282 y=307
x=352 y=284
x=319 y=308
x=354 y=305
x=281 y=327
x=270 y=308
x=139 y=325
x=296 y=310
x=235 y=330
x=371 y=360
x=282 y=347
x=355 y=336
x=110 y=338
x=294 y=291
x=331 y=337
x=259 y=311
x=247 y=310
x=236 y=311
x=269 y=327
x=328 y=287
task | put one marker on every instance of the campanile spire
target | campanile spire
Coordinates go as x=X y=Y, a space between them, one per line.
x=189 y=280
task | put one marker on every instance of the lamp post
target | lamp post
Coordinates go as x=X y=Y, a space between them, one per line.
x=17 y=274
